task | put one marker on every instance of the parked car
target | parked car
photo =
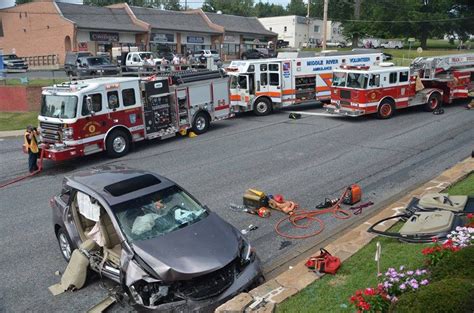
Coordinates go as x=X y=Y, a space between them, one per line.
x=282 y=44
x=252 y=54
x=135 y=61
x=93 y=66
x=70 y=62
x=208 y=54
x=164 y=248
x=337 y=44
x=392 y=44
x=13 y=63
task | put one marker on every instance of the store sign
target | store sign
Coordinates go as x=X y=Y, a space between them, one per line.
x=156 y=37
x=100 y=36
x=82 y=46
x=195 y=39
x=231 y=38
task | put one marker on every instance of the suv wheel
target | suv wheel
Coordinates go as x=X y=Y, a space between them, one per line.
x=64 y=244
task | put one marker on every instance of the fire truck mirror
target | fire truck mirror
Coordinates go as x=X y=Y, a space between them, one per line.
x=90 y=107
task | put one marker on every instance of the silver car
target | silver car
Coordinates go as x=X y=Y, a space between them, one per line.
x=166 y=250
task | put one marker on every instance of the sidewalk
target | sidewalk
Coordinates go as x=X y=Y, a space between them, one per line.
x=12 y=133
x=265 y=297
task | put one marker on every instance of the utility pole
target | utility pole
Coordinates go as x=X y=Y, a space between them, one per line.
x=185 y=5
x=355 y=36
x=325 y=23
x=308 y=21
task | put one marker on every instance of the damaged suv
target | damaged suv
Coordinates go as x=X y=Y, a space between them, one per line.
x=165 y=249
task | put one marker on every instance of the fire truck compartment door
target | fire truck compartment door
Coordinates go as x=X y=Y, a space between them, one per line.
x=274 y=80
x=221 y=99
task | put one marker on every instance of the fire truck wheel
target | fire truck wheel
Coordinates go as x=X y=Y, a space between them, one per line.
x=386 y=109
x=262 y=106
x=117 y=144
x=200 y=123
x=434 y=102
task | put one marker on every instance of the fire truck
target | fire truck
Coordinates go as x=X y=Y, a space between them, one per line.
x=359 y=90
x=454 y=74
x=83 y=117
x=261 y=85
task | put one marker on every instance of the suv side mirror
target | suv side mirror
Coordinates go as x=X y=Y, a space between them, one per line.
x=90 y=106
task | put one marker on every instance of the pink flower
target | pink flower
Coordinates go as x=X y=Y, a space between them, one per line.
x=424 y=282
x=403 y=287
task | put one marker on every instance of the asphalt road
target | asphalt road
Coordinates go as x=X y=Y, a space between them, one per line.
x=305 y=160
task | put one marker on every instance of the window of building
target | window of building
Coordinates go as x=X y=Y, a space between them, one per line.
x=284 y=29
x=128 y=97
x=113 y=99
x=1 y=28
x=403 y=77
x=96 y=100
x=392 y=78
x=316 y=28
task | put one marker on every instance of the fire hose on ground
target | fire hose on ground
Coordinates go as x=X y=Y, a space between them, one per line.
x=40 y=168
x=310 y=216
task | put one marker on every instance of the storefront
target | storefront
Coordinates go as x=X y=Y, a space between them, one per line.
x=160 y=41
x=231 y=45
x=194 y=42
x=101 y=42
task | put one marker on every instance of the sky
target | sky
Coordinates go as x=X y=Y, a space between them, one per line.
x=191 y=3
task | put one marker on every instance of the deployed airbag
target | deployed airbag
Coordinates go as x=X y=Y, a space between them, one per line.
x=87 y=208
x=144 y=223
x=426 y=223
x=443 y=201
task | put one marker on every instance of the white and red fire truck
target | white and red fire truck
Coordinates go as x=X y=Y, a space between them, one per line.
x=384 y=89
x=261 y=85
x=360 y=90
x=84 y=117
x=454 y=74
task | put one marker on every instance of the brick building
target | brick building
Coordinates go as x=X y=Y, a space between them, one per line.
x=46 y=27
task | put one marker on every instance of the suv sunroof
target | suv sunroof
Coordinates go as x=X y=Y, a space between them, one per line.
x=131 y=185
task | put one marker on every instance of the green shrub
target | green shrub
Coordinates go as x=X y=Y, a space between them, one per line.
x=459 y=264
x=449 y=295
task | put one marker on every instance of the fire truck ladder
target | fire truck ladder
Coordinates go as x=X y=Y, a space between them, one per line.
x=433 y=65
x=182 y=78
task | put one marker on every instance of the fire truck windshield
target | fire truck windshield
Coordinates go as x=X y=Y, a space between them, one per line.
x=238 y=82
x=59 y=106
x=350 y=80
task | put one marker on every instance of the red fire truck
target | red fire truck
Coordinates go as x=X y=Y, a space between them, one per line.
x=359 y=90
x=84 y=117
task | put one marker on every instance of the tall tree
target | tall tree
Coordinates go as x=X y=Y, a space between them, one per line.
x=235 y=7
x=17 y=2
x=171 y=5
x=265 y=9
x=297 y=7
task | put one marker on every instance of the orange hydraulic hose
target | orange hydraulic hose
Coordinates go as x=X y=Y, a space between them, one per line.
x=311 y=217
x=40 y=168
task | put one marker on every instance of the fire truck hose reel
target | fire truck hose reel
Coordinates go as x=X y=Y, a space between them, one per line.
x=40 y=168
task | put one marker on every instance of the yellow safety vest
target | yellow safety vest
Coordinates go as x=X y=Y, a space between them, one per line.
x=33 y=145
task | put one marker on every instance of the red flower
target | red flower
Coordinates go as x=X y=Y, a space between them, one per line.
x=434 y=239
x=470 y=215
x=369 y=292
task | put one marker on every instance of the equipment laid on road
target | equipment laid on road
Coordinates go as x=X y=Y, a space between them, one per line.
x=40 y=168
x=353 y=195
x=441 y=201
x=261 y=85
x=255 y=199
x=83 y=117
x=360 y=90
x=358 y=209
x=324 y=262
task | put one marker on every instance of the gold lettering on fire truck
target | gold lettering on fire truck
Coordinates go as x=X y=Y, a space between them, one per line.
x=90 y=129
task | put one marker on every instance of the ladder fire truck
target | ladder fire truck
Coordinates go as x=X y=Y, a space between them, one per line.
x=384 y=89
x=261 y=85
x=84 y=117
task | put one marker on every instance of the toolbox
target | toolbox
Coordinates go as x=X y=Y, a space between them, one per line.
x=255 y=199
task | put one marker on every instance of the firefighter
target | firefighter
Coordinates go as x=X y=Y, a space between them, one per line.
x=31 y=146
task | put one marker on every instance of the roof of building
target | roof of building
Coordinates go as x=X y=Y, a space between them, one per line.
x=92 y=17
x=239 y=24
x=173 y=20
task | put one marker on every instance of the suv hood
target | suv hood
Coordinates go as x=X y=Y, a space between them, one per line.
x=192 y=251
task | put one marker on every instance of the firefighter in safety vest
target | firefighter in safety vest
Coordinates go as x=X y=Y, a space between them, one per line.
x=31 y=146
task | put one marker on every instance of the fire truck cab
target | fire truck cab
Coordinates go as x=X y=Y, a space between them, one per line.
x=84 y=117
x=262 y=85
x=360 y=90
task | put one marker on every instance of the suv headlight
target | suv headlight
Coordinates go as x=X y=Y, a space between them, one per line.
x=246 y=253
x=149 y=294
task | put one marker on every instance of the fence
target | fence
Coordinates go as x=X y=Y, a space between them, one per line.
x=51 y=60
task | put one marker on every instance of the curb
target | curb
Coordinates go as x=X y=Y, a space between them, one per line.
x=11 y=133
x=265 y=297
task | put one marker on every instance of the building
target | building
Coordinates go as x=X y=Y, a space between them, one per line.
x=48 y=27
x=296 y=29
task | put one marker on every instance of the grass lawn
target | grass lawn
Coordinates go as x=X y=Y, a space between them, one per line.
x=17 y=120
x=331 y=293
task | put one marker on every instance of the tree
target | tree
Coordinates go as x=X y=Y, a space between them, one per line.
x=235 y=7
x=171 y=5
x=265 y=9
x=297 y=7
x=17 y=2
